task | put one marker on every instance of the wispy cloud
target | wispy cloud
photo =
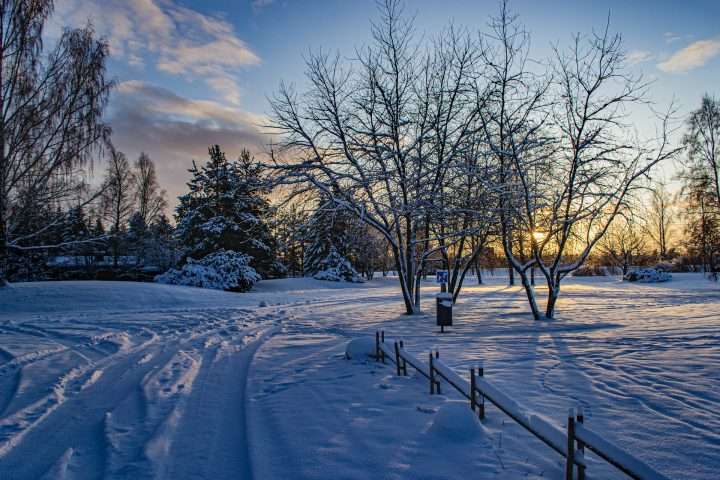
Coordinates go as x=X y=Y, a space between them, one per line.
x=165 y=103
x=173 y=38
x=691 y=57
x=635 y=57
x=258 y=4
x=672 y=37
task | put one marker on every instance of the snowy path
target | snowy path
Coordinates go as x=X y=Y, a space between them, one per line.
x=118 y=380
x=118 y=393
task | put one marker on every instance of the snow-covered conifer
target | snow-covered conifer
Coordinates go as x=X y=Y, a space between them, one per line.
x=226 y=209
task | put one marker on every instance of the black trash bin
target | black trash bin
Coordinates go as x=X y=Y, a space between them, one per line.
x=444 y=311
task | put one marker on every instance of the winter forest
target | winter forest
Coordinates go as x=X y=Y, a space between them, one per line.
x=567 y=205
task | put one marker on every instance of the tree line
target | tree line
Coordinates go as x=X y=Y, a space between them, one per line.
x=452 y=151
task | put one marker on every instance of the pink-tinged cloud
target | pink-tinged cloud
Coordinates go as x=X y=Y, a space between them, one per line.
x=635 y=57
x=174 y=130
x=691 y=57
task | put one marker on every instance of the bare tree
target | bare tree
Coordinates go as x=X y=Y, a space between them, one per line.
x=513 y=110
x=469 y=214
x=118 y=198
x=623 y=242
x=701 y=178
x=150 y=198
x=702 y=217
x=703 y=141
x=660 y=215
x=50 y=115
x=378 y=135
x=571 y=165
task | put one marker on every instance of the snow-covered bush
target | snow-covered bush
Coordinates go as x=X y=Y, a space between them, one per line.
x=337 y=268
x=647 y=275
x=223 y=270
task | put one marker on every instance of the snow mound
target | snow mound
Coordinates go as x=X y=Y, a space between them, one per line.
x=223 y=270
x=647 y=275
x=360 y=348
x=455 y=422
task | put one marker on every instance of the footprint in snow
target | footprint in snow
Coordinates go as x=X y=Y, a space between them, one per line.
x=429 y=410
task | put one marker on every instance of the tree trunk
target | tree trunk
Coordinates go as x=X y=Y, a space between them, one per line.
x=553 y=294
x=3 y=174
x=404 y=287
x=3 y=250
x=530 y=292
x=418 y=281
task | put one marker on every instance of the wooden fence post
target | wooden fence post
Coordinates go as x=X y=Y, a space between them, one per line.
x=397 y=359
x=481 y=404
x=382 y=340
x=377 y=346
x=570 y=460
x=473 y=393
x=580 y=418
x=404 y=363
x=432 y=375
x=437 y=384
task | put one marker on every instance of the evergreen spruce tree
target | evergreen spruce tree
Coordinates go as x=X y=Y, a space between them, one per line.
x=226 y=209
x=329 y=236
x=136 y=236
x=75 y=226
x=74 y=233
x=161 y=248
x=100 y=246
x=290 y=234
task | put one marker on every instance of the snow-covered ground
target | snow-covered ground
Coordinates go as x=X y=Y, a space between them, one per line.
x=129 y=380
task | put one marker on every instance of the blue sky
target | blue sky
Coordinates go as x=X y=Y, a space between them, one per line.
x=191 y=73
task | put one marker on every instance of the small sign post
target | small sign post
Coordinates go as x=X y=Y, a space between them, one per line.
x=441 y=277
x=444 y=301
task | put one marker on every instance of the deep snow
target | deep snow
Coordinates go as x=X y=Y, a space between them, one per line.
x=113 y=379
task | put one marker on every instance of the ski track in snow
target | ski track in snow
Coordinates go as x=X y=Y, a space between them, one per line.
x=122 y=394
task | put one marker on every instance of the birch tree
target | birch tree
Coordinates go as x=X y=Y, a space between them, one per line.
x=702 y=141
x=660 y=215
x=118 y=198
x=51 y=108
x=150 y=197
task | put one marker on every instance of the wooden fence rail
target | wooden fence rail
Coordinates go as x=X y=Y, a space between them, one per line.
x=570 y=443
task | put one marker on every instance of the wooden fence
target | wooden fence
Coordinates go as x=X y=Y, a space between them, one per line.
x=570 y=444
